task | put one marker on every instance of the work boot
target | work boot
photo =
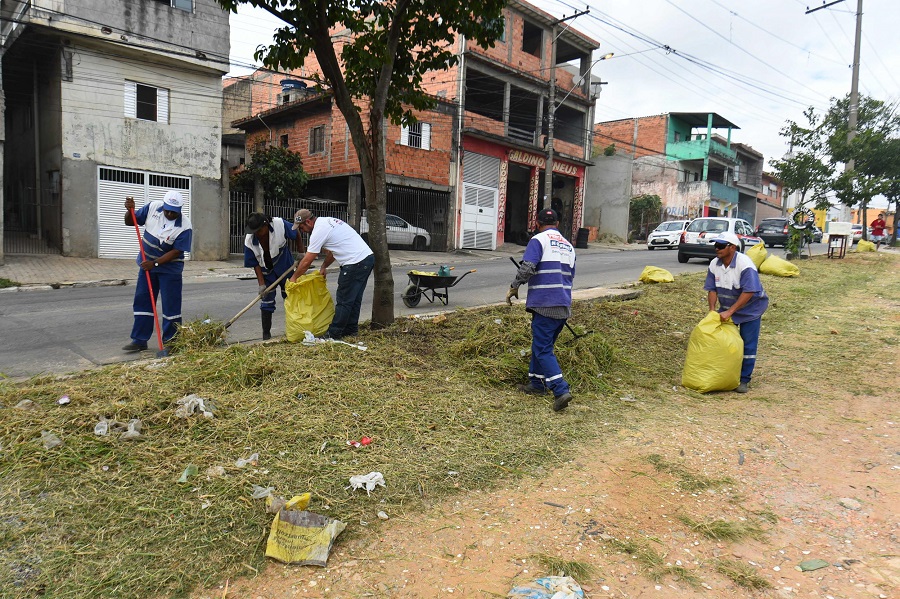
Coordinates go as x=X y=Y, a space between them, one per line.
x=134 y=346
x=266 y=325
x=561 y=402
x=743 y=387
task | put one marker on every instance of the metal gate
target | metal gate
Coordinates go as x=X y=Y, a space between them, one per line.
x=31 y=226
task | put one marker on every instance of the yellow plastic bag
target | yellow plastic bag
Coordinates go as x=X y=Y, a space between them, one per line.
x=308 y=307
x=714 y=355
x=757 y=253
x=773 y=265
x=301 y=537
x=655 y=274
x=865 y=246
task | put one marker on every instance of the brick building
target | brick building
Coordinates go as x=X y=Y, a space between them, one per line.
x=470 y=171
x=684 y=159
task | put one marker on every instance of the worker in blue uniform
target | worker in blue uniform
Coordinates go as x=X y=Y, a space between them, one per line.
x=267 y=250
x=548 y=267
x=167 y=237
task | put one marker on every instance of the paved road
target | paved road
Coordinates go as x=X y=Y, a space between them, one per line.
x=57 y=331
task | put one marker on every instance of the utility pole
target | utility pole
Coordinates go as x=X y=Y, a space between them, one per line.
x=551 y=109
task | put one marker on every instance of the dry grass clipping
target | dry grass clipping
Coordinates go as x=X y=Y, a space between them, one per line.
x=105 y=518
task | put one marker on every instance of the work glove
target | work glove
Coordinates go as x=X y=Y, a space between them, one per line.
x=262 y=289
x=512 y=293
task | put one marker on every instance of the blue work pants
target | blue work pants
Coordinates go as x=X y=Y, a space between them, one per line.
x=750 y=334
x=348 y=299
x=167 y=287
x=544 y=370
x=267 y=303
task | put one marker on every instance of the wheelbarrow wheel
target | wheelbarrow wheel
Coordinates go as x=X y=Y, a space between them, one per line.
x=412 y=296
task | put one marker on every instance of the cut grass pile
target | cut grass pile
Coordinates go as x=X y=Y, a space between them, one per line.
x=103 y=517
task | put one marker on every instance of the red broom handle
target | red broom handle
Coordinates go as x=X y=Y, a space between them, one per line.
x=137 y=230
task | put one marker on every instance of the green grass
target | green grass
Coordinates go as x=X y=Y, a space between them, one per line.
x=743 y=575
x=653 y=564
x=557 y=566
x=4 y=283
x=101 y=517
x=723 y=530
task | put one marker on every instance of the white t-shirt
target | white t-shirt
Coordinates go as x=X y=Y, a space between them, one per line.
x=340 y=239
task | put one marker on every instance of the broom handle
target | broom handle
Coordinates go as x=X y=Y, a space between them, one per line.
x=137 y=230
x=259 y=297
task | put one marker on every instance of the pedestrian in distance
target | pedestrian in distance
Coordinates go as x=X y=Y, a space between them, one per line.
x=267 y=250
x=343 y=245
x=167 y=237
x=878 y=226
x=733 y=282
x=548 y=267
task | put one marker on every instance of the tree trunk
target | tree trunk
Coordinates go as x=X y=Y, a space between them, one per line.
x=376 y=210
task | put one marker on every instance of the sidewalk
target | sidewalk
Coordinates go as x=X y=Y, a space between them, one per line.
x=55 y=271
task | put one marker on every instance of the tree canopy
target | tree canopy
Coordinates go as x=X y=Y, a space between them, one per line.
x=373 y=55
x=279 y=170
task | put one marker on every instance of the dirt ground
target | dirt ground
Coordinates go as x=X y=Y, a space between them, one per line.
x=797 y=463
x=822 y=461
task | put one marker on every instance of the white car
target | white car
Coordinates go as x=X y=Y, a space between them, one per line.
x=856 y=233
x=399 y=232
x=667 y=235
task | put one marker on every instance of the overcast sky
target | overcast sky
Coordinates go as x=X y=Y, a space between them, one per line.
x=757 y=63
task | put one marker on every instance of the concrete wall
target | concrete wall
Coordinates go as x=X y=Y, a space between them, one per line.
x=199 y=37
x=607 y=195
x=96 y=132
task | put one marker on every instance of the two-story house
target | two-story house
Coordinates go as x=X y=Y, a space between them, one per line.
x=771 y=200
x=748 y=179
x=108 y=99
x=682 y=158
x=471 y=171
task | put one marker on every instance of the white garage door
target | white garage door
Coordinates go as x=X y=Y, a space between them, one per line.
x=481 y=182
x=116 y=240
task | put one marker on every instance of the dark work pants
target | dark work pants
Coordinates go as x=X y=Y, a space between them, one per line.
x=750 y=335
x=166 y=286
x=544 y=370
x=348 y=299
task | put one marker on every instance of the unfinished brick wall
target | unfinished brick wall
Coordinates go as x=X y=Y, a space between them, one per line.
x=650 y=140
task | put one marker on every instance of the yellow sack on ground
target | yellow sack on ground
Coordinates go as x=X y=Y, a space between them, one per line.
x=714 y=355
x=865 y=246
x=773 y=265
x=308 y=307
x=301 y=537
x=757 y=253
x=655 y=274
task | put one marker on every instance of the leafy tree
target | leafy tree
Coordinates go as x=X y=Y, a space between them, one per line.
x=807 y=167
x=279 y=170
x=642 y=209
x=873 y=150
x=381 y=61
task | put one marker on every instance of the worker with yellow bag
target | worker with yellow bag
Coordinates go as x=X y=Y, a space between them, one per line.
x=733 y=282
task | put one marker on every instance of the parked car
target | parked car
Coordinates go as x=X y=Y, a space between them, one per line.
x=667 y=235
x=774 y=231
x=697 y=239
x=399 y=232
x=855 y=233
x=817 y=234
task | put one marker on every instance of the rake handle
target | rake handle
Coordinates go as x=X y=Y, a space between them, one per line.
x=137 y=231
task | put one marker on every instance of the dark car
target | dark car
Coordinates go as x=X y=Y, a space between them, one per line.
x=817 y=234
x=774 y=231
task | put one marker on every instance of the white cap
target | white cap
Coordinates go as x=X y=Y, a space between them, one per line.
x=173 y=201
x=727 y=237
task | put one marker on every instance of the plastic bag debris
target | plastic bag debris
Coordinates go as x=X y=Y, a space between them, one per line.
x=548 y=587
x=26 y=404
x=63 y=400
x=101 y=429
x=258 y=492
x=361 y=443
x=383 y=515
x=190 y=471
x=366 y=481
x=242 y=462
x=215 y=472
x=190 y=404
x=301 y=537
x=50 y=440
x=812 y=564
x=134 y=430
x=310 y=339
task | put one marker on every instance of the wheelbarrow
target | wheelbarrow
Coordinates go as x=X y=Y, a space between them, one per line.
x=429 y=286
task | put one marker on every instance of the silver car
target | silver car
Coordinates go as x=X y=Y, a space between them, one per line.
x=399 y=232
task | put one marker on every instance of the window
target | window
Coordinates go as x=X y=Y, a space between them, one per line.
x=416 y=135
x=187 y=5
x=284 y=141
x=317 y=140
x=146 y=103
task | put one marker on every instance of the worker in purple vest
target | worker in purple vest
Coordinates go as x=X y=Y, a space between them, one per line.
x=548 y=267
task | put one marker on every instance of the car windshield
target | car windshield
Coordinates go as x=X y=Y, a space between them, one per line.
x=773 y=221
x=673 y=226
x=711 y=225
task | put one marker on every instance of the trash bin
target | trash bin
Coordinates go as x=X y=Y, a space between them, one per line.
x=581 y=240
